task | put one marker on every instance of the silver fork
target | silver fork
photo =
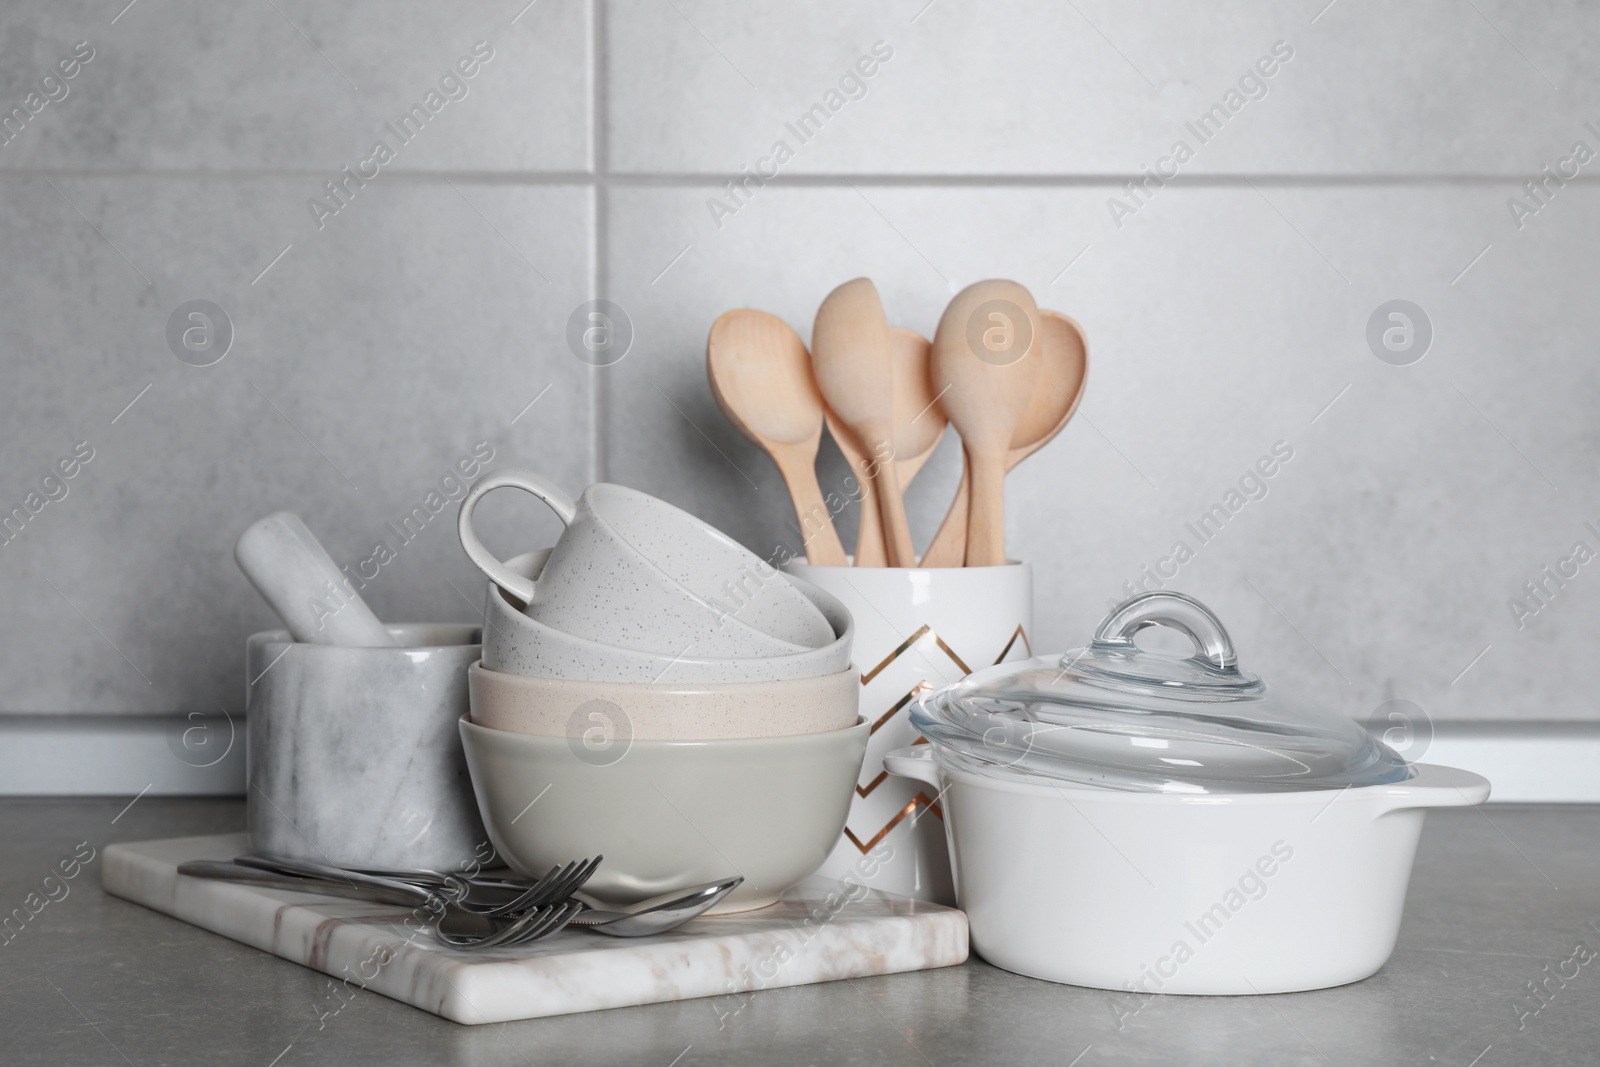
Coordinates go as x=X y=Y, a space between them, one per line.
x=558 y=884
x=531 y=925
x=542 y=909
x=453 y=889
x=559 y=903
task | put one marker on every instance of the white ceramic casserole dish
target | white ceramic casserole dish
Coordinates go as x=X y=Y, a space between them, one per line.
x=1162 y=893
x=1134 y=820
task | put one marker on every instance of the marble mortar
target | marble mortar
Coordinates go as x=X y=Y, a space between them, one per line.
x=353 y=754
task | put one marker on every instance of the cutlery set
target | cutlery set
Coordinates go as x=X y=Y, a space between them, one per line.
x=477 y=911
x=1005 y=374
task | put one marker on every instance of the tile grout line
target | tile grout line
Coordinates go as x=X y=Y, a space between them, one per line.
x=687 y=179
x=599 y=205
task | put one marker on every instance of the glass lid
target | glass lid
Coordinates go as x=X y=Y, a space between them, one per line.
x=1118 y=716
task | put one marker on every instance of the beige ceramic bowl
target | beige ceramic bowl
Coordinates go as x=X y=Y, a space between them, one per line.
x=667 y=815
x=560 y=707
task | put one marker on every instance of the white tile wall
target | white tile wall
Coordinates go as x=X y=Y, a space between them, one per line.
x=1223 y=315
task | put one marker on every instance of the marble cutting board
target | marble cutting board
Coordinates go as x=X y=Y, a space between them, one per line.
x=804 y=938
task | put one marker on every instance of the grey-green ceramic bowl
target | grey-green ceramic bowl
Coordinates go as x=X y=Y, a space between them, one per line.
x=667 y=815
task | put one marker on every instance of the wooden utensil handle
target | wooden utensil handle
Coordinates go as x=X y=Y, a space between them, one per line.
x=986 y=518
x=949 y=546
x=869 y=531
x=896 y=529
x=818 y=535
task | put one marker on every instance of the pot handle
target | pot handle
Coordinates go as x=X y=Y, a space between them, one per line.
x=1433 y=786
x=559 y=502
x=915 y=762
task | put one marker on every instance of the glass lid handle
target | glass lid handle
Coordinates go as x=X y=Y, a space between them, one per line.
x=1177 y=610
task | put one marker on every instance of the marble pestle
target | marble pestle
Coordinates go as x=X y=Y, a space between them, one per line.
x=293 y=573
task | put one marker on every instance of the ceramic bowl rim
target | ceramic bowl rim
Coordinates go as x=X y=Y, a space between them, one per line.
x=821 y=739
x=709 y=689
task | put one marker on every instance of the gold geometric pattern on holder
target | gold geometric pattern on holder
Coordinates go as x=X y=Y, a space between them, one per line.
x=904 y=646
x=1026 y=644
x=920 y=800
x=920 y=687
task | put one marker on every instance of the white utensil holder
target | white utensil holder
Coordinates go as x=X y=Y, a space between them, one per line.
x=916 y=629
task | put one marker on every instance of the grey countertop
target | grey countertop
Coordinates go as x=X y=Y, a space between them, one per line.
x=1497 y=896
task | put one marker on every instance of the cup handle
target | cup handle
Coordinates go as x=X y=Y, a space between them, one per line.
x=559 y=502
x=914 y=763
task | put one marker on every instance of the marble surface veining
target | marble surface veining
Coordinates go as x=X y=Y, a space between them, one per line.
x=810 y=936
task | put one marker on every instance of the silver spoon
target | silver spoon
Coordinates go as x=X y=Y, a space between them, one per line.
x=658 y=914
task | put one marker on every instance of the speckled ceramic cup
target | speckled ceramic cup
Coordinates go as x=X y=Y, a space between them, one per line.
x=516 y=644
x=635 y=572
x=600 y=712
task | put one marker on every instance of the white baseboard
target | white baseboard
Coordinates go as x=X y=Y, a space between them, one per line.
x=120 y=755
x=117 y=755
x=1525 y=762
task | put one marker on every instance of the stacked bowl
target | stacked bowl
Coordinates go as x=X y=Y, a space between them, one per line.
x=653 y=692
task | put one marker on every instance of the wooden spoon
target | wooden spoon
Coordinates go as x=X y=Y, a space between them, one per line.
x=761 y=376
x=850 y=353
x=919 y=423
x=986 y=358
x=1055 y=398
